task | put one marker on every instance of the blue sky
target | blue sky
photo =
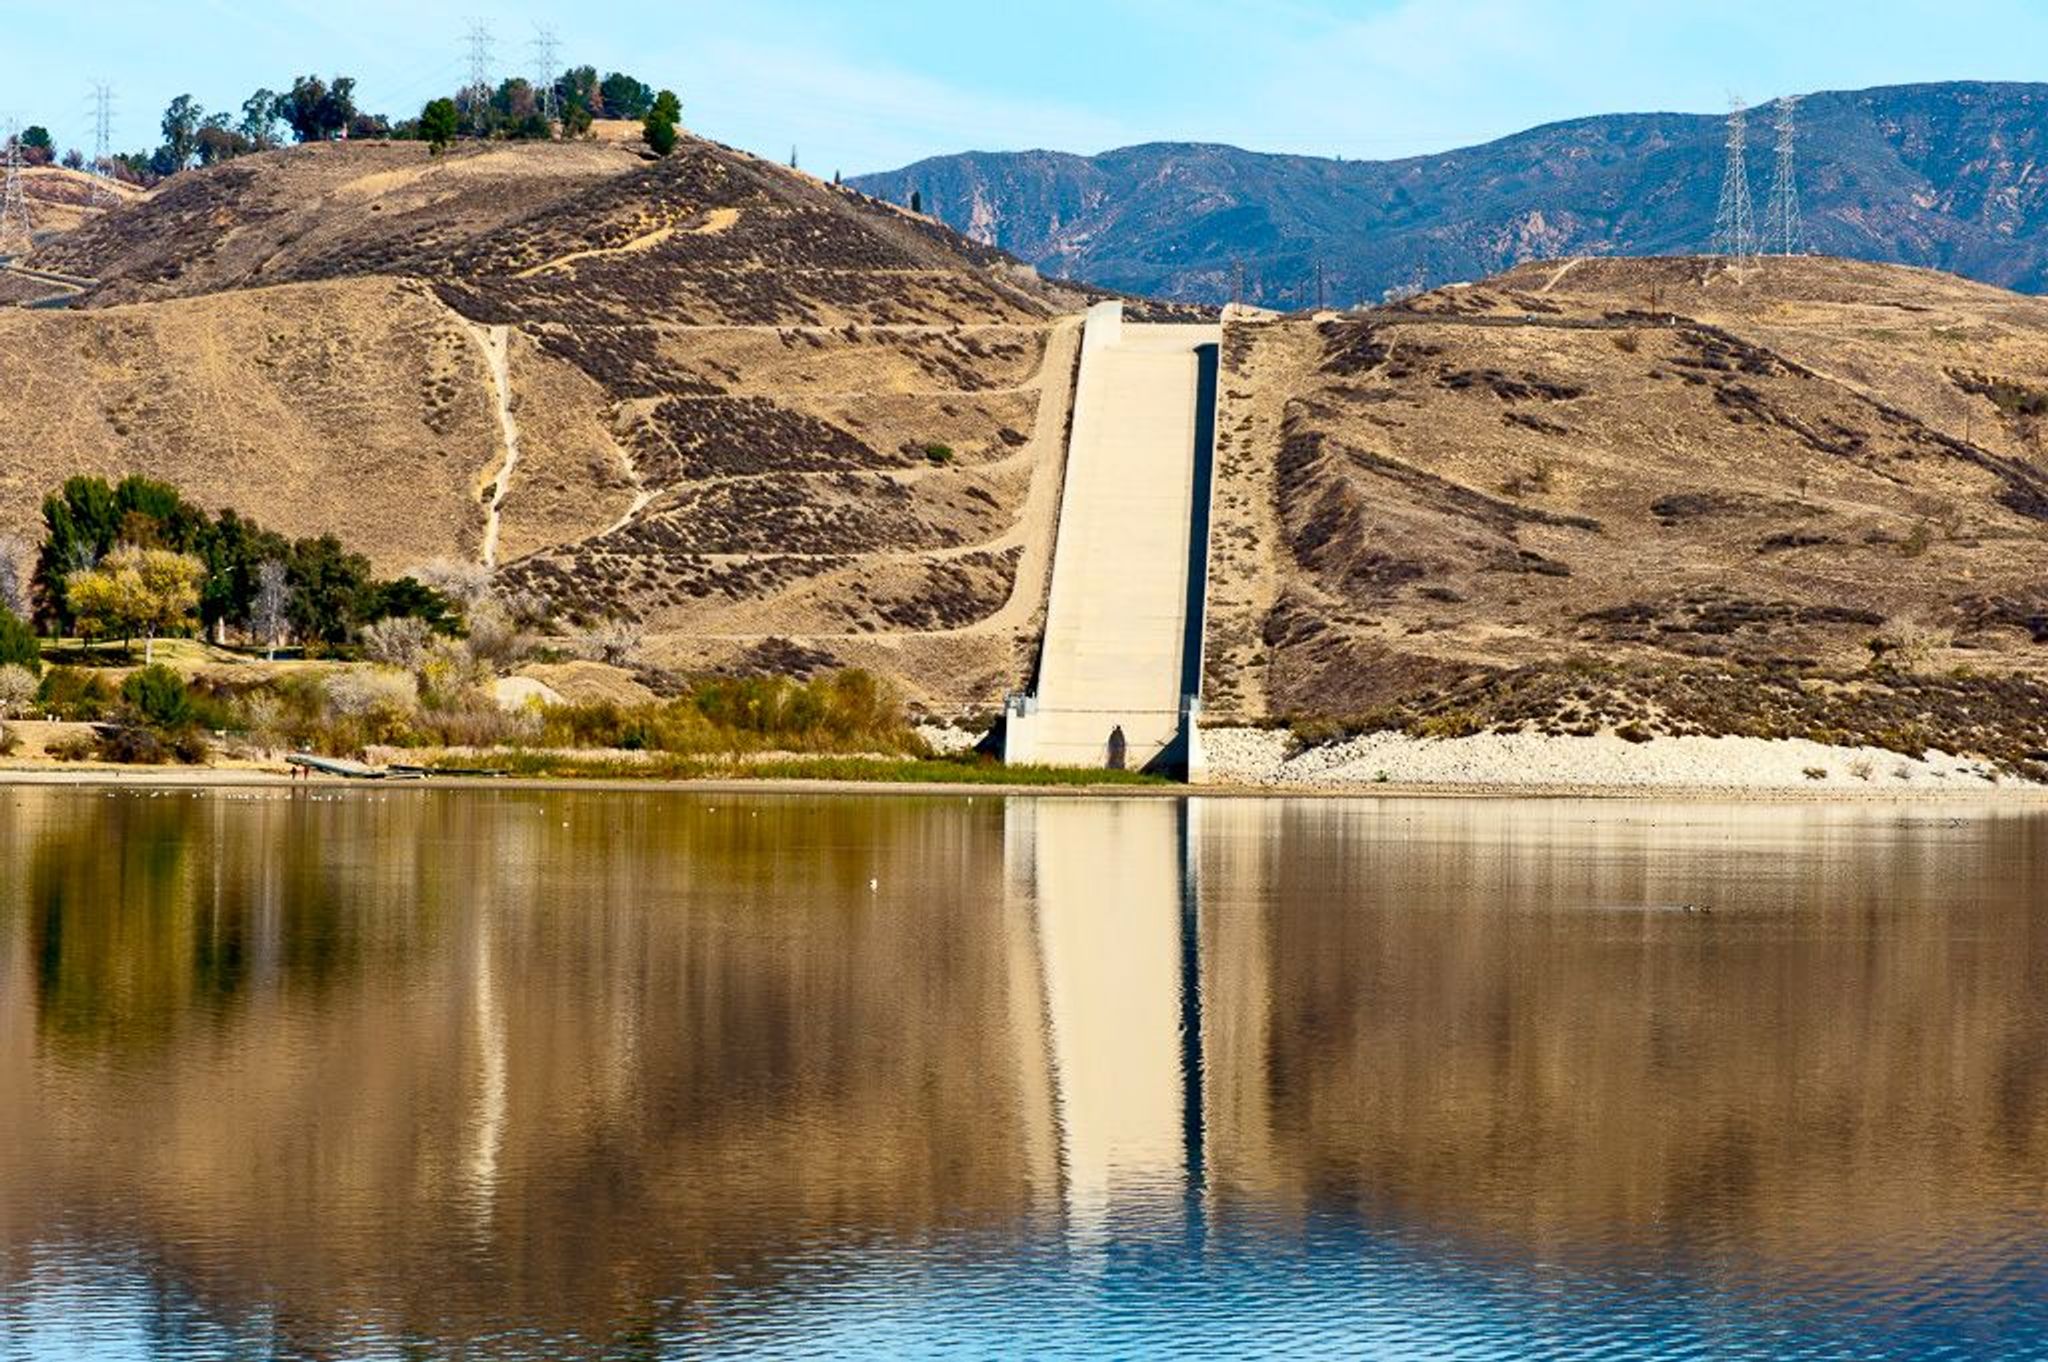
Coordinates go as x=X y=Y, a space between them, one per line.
x=872 y=85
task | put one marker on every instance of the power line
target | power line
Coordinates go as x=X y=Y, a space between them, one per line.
x=103 y=195
x=1781 y=214
x=479 y=38
x=1735 y=218
x=427 y=82
x=544 y=47
x=17 y=233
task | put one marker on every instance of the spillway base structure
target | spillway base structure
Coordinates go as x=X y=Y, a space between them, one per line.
x=1119 y=670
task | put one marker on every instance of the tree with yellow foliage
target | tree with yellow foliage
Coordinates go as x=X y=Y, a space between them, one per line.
x=137 y=591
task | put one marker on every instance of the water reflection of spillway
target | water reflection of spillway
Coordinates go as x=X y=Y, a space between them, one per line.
x=1106 y=892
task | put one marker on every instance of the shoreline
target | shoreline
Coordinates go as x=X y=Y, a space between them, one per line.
x=204 y=778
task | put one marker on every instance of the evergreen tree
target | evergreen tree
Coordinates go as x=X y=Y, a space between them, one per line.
x=18 y=644
x=438 y=124
x=36 y=147
x=659 y=127
x=328 y=585
x=80 y=521
x=625 y=97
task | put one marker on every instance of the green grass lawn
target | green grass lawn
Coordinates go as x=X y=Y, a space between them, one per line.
x=179 y=654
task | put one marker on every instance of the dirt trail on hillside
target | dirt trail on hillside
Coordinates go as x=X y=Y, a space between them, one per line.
x=1562 y=270
x=496 y=343
x=717 y=221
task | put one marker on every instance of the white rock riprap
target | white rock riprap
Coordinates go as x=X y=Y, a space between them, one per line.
x=945 y=740
x=1252 y=756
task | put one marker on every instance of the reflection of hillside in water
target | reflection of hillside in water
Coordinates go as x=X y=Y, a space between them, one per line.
x=546 y=1058
x=427 y=1063
x=1495 y=1019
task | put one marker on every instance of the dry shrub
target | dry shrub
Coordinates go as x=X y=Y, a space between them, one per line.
x=451 y=672
x=464 y=583
x=353 y=694
x=262 y=718
x=1456 y=723
x=18 y=689
x=848 y=711
x=378 y=706
x=77 y=747
x=843 y=707
x=16 y=559
x=1533 y=481
x=612 y=641
x=477 y=721
x=495 y=640
x=1909 y=647
x=529 y=609
x=132 y=745
x=400 y=641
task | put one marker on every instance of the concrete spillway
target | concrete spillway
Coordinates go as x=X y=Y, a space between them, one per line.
x=1123 y=634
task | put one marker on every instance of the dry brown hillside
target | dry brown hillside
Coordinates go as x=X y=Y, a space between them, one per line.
x=776 y=422
x=1668 y=471
x=314 y=211
x=62 y=200
x=360 y=408
x=783 y=425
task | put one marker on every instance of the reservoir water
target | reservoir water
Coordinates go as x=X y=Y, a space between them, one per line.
x=409 y=1073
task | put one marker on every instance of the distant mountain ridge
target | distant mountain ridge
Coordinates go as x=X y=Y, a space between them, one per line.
x=1953 y=176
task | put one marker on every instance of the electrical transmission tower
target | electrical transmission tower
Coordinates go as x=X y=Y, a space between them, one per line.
x=1735 y=220
x=15 y=228
x=479 y=37
x=544 y=47
x=103 y=195
x=1781 y=215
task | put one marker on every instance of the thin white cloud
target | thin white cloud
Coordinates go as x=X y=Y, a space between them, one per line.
x=861 y=89
x=1403 y=77
x=861 y=117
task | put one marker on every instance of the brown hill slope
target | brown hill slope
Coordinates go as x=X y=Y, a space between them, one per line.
x=361 y=408
x=782 y=425
x=1656 y=466
x=708 y=392
x=292 y=215
x=61 y=200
